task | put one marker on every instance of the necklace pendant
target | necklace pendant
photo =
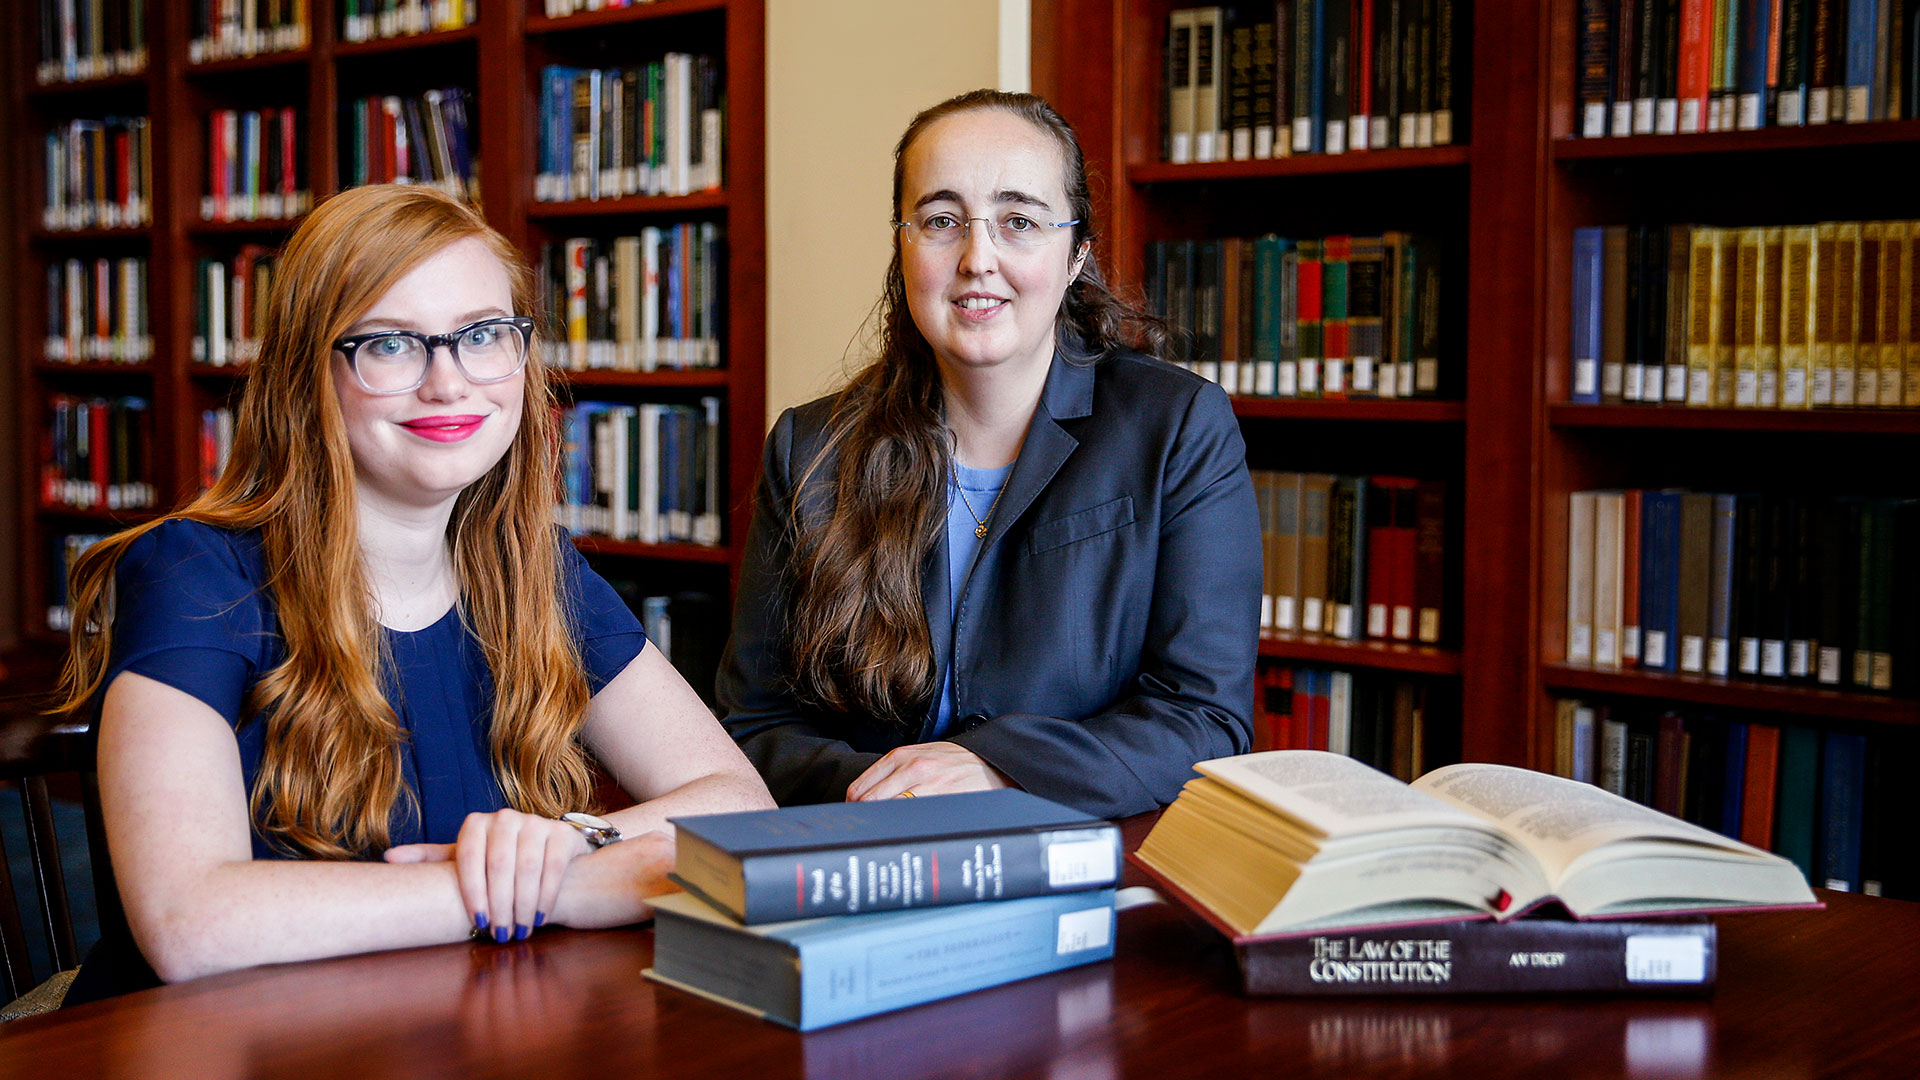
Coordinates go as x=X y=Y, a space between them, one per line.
x=980 y=531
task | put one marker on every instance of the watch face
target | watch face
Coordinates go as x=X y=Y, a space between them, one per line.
x=588 y=820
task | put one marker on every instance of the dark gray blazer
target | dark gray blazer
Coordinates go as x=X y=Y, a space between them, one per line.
x=1105 y=638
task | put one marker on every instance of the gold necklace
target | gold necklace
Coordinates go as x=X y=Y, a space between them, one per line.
x=979 y=523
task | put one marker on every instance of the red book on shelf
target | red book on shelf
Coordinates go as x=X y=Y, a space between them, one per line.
x=1390 y=554
x=1696 y=63
x=1276 y=694
x=1335 y=337
x=289 y=158
x=1670 y=765
x=1299 y=727
x=1404 y=555
x=1362 y=67
x=217 y=165
x=1630 y=579
x=1762 y=780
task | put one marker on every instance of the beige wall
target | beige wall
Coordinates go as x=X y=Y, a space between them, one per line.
x=843 y=79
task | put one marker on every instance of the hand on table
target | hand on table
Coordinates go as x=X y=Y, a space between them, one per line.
x=933 y=768
x=510 y=866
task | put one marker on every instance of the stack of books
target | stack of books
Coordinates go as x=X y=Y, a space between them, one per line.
x=815 y=915
x=1332 y=878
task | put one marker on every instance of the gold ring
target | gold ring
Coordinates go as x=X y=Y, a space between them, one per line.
x=905 y=795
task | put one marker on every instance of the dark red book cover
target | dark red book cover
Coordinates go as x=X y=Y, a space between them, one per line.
x=1757 y=790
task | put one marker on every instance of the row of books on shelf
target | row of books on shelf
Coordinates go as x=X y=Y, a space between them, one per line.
x=556 y=9
x=216 y=444
x=1838 y=804
x=1255 y=81
x=97 y=311
x=688 y=627
x=412 y=140
x=1352 y=556
x=62 y=552
x=99 y=174
x=1793 y=317
x=1336 y=317
x=1810 y=588
x=230 y=305
x=223 y=29
x=97 y=453
x=367 y=20
x=646 y=129
x=1661 y=67
x=91 y=39
x=254 y=166
x=647 y=472
x=637 y=303
x=1380 y=718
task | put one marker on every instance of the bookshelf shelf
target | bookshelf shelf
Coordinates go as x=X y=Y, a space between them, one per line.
x=40 y=236
x=1433 y=412
x=1439 y=157
x=689 y=553
x=590 y=20
x=1812 y=421
x=118 y=519
x=1736 y=694
x=1768 y=140
x=407 y=42
x=92 y=370
x=240 y=65
x=243 y=227
x=663 y=380
x=1382 y=655
x=235 y=372
x=628 y=205
x=67 y=91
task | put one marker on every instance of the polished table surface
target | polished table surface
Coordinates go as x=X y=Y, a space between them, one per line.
x=1801 y=994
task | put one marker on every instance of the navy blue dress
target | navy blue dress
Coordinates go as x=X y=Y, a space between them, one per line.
x=193 y=613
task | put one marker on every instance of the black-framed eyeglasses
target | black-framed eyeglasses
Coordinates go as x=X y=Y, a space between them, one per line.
x=397 y=361
x=1011 y=231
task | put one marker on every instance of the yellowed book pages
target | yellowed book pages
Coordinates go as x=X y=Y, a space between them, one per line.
x=1703 y=315
x=1826 y=244
x=1725 y=307
x=1895 y=245
x=1746 y=339
x=1766 y=362
x=1866 y=319
x=1846 y=311
x=1563 y=736
x=1797 y=265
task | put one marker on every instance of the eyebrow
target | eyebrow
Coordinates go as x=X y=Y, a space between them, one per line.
x=368 y=325
x=1004 y=195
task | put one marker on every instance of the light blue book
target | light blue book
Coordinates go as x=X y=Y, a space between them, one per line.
x=811 y=973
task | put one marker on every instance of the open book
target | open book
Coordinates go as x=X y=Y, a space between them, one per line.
x=1299 y=841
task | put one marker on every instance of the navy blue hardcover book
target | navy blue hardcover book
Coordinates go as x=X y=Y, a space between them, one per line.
x=800 y=862
x=1660 y=580
x=1586 y=316
x=1843 y=784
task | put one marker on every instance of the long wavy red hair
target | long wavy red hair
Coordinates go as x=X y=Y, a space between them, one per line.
x=330 y=776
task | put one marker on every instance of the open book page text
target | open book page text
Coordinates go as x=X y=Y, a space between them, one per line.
x=1332 y=793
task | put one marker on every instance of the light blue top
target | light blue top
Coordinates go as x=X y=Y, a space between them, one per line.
x=981 y=487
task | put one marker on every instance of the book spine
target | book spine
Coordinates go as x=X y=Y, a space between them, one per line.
x=1842 y=799
x=868 y=970
x=1720 y=593
x=1523 y=957
x=892 y=877
x=1587 y=314
x=1581 y=517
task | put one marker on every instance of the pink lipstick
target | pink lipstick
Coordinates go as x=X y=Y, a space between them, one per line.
x=445 y=429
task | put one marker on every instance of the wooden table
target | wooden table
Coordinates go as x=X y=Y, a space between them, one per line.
x=1801 y=994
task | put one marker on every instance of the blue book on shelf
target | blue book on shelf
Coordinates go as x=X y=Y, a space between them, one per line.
x=1587 y=321
x=1720 y=598
x=1733 y=789
x=1862 y=22
x=1750 y=82
x=1843 y=784
x=812 y=973
x=1317 y=76
x=1660 y=580
x=556 y=133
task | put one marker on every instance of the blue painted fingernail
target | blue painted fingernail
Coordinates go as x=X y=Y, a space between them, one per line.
x=539 y=919
x=521 y=931
x=500 y=934
x=480 y=920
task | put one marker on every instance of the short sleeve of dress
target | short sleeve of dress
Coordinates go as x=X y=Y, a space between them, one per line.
x=610 y=635
x=190 y=613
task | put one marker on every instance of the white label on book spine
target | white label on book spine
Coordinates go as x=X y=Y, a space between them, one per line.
x=1336 y=375
x=1594 y=121
x=1586 y=375
x=1083 y=930
x=1666 y=958
x=1606 y=648
x=1579 y=643
x=1630 y=643
x=1719 y=656
x=1309 y=377
x=1402 y=623
x=1079 y=857
x=1693 y=649
x=1336 y=137
x=1817 y=106
x=1376 y=620
x=1343 y=621
x=1746 y=389
x=1283 y=613
x=1773 y=659
x=1666 y=116
x=1266 y=611
x=1789 y=108
x=1643 y=116
x=1800 y=658
x=1635 y=389
x=1310 y=614
x=1676 y=383
x=1656 y=651
x=1612 y=380
x=1622 y=119
x=1362 y=375
x=1829 y=665
x=1748 y=118
x=1303 y=135
x=1285 y=383
x=1749 y=656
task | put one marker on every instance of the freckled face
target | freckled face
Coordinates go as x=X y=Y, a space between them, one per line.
x=984 y=306
x=423 y=447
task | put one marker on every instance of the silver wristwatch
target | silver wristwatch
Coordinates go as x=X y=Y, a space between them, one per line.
x=598 y=830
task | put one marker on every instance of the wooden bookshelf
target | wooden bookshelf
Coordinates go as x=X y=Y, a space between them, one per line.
x=508 y=44
x=1745 y=694
x=1102 y=63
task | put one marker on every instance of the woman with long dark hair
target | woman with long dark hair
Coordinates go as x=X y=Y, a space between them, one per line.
x=1013 y=549
x=350 y=698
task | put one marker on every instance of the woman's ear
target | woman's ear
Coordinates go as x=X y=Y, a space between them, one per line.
x=1079 y=260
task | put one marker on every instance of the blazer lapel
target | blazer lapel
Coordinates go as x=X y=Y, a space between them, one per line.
x=933 y=593
x=1068 y=395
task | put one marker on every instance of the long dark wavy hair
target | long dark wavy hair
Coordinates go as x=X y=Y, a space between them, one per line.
x=858 y=637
